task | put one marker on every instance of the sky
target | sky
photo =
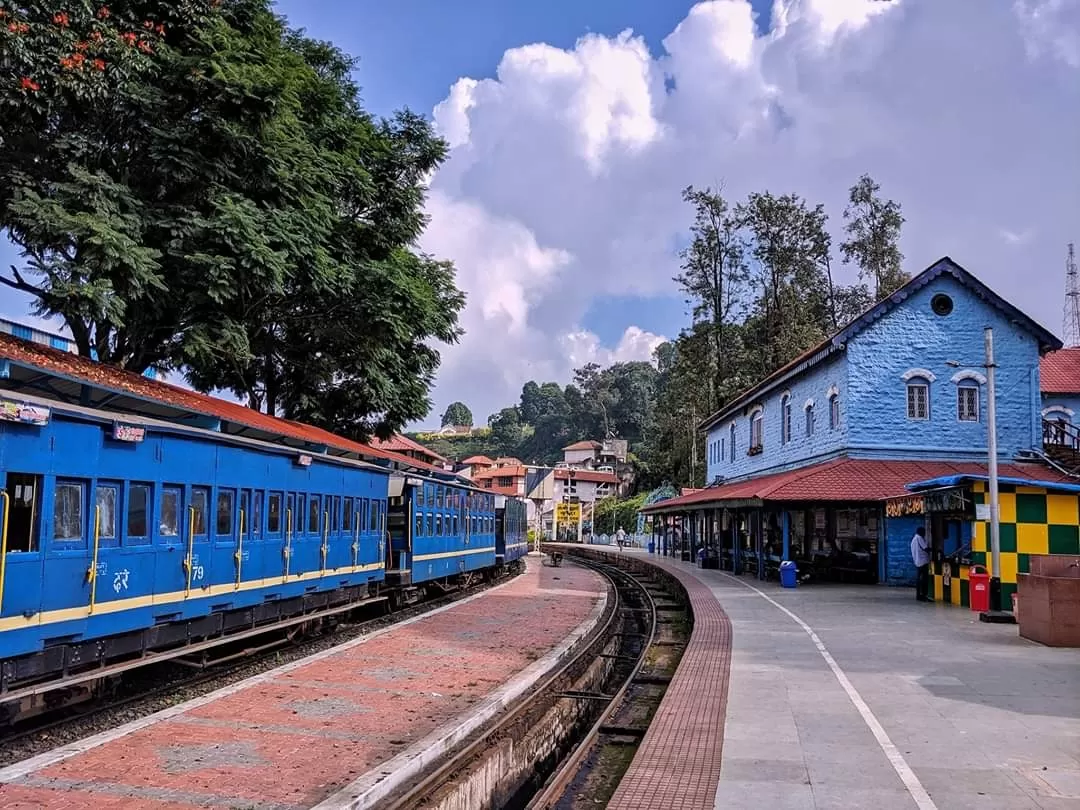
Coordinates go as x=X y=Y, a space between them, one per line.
x=574 y=126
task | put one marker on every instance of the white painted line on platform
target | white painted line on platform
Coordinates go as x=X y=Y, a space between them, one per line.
x=17 y=771
x=903 y=770
x=395 y=773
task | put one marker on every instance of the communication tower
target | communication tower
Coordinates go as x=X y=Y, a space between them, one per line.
x=1071 y=327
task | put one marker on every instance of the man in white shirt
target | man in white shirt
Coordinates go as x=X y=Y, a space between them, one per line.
x=920 y=555
x=620 y=538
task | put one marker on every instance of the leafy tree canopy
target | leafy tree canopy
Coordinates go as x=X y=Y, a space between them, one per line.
x=457 y=413
x=194 y=186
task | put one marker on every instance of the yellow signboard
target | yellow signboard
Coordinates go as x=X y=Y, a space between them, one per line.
x=568 y=512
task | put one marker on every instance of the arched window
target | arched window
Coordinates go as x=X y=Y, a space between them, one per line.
x=785 y=419
x=834 y=412
x=731 y=441
x=757 y=422
x=809 y=408
x=918 y=398
x=967 y=401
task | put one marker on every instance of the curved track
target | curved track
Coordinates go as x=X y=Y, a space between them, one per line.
x=632 y=601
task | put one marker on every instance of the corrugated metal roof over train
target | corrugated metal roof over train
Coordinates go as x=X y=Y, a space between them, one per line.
x=77 y=380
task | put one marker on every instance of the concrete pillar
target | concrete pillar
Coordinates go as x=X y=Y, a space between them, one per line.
x=786 y=525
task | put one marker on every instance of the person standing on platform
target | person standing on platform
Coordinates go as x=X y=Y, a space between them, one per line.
x=920 y=555
x=620 y=538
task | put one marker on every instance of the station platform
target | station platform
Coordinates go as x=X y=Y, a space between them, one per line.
x=841 y=696
x=340 y=728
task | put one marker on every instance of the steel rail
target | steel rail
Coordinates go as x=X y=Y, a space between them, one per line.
x=431 y=781
x=555 y=786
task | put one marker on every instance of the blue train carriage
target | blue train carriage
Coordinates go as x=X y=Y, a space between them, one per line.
x=442 y=535
x=511 y=531
x=149 y=534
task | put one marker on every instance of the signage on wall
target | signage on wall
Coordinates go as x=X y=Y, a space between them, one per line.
x=23 y=412
x=128 y=433
x=902 y=507
x=946 y=575
x=303 y=460
x=952 y=501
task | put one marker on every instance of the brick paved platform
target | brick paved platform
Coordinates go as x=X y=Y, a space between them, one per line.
x=291 y=737
x=677 y=765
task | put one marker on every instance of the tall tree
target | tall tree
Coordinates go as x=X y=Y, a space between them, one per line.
x=457 y=413
x=714 y=275
x=194 y=186
x=873 y=237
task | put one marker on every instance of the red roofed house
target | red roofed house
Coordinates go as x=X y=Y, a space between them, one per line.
x=413 y=449
x=1059 y=379
x=834 y=459
x=475 y=464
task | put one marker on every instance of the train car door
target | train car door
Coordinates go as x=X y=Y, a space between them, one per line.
x=125 y=568
x=307 y=538
x=22 y=562
x=185 y=527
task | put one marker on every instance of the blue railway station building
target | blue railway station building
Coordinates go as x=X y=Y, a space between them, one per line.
x=834 y=459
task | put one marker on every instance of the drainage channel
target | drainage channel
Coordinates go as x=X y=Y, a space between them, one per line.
x=569 y=741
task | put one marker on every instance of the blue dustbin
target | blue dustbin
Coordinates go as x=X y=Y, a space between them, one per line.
x=788 y=574
x=652 y=547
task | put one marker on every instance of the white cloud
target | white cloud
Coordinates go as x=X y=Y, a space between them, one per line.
x=582 y=347
x=562 y=188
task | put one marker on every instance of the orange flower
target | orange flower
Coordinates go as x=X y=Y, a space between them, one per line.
x=161 y=30
x=103 y=13
x=78 y=58
x=96 y=36
x=13 y=28
x=82 y=46
x=144 y=46
x=30 y=84
x=66 y=63
x=61 y=19
x=99 y=64
x=130 y=38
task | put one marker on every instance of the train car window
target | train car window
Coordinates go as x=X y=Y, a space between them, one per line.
x=273 y=513
x=200 y=502
x=373 y=516
x=430 y=525
x=335 y=513
x=346 y=515
x=418 y=530
x=226 y=498
x=138 y=514
x=25 y=507
x=256 y=513
x=68 y=511
x=299 y=516
x=169 y=519
x=382 y=518
x=438 y=525
x=457 y=524
x=106 y=500
x=313 y=515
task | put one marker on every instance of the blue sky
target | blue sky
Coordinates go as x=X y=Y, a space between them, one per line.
x=560 y=201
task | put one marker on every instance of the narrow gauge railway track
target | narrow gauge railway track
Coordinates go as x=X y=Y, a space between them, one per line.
x=631 y=617
x=159 y=685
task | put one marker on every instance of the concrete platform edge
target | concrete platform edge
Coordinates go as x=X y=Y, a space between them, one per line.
x=396 y=772
x=19 y=770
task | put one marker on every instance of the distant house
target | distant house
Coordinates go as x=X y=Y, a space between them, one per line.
x=475 y=464
x=454 y=430
x=591 y=453
x=507 y=479
x=413 y=449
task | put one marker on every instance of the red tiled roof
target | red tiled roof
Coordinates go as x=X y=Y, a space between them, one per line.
x=513 y=491
x=587 y=475
x=510 y=471
x=477 y=460
x=403 y=444
x=1059 y=372
x=508 y=461
x=848 y=479
x=584 y=445
x=52 y=361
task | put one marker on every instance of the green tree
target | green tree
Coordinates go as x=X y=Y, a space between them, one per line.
x=714 y=275
x=507 y=431
x=457 y=413
x=214 y=198
x=873 y=238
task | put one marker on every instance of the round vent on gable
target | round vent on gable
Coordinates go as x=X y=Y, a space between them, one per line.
x=941 y=304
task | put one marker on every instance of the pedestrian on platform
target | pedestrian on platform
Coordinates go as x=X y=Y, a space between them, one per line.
x=920 y=555
x=620 y=538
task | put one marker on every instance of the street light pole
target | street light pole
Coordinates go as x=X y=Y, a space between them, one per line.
x=992 y=469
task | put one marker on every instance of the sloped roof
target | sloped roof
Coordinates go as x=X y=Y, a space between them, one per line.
x=70 y=372
x=563 y=474
x=509 y=471
x=403 y=444
x=587 y=444
x=477 y=460
x=837 y=342
x=845 y=479
x=508 y=461
x=1059 y=372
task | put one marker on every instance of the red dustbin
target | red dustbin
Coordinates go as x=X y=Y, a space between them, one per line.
x=979 y=589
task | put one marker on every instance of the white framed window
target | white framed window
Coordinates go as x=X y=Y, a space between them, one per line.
x=731 y=441
x=967 y=402
x=834 y=412
x=757 y=422
x=809 y=420
x=785 y=419
x=918 y=399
